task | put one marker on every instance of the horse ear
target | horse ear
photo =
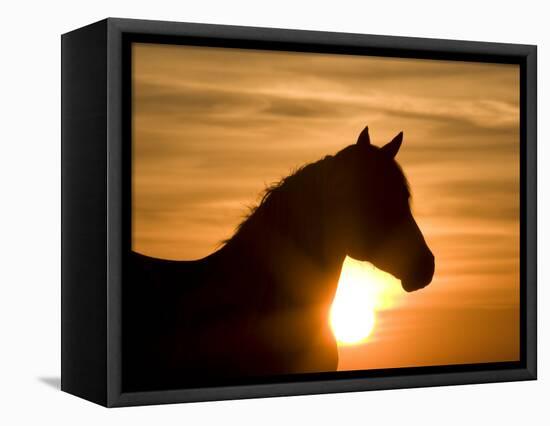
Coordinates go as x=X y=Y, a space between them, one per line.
x=391 y=148
x=364 y=138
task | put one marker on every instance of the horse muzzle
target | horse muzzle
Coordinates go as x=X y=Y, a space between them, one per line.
x=421 y=276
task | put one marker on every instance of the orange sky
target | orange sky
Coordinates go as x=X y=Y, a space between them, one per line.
x=212 y=127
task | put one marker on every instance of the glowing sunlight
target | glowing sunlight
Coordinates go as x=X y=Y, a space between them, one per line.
x=362 y=291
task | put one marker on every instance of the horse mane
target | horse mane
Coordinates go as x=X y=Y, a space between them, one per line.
x=303 y=184
x=301 y=178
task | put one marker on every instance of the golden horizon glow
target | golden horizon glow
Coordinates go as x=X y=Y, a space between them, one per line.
x=363 y=290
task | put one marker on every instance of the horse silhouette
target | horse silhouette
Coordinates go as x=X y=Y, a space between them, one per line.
x=259 y=305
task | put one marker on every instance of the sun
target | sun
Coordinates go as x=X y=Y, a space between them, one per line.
x=351 y=323
x=362 y=291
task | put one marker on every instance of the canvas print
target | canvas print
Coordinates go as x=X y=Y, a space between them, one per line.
x=298 y=214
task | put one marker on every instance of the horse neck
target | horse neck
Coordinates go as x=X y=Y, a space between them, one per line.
x=293 y=224
x=283 y=254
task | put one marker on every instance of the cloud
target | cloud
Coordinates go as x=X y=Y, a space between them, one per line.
x=212 y=127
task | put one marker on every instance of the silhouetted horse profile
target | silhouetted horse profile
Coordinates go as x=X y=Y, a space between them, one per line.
x=259 y=305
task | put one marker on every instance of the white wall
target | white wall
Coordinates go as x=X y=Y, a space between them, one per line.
x=29 y=234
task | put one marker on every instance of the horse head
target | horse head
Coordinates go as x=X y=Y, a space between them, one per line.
x=370 y=213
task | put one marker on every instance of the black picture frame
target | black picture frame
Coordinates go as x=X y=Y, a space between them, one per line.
x=96 y=204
